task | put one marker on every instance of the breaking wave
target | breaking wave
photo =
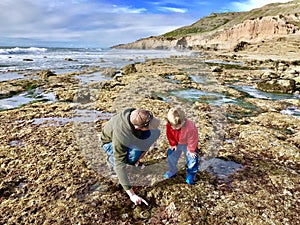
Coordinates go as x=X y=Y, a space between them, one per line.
x=18 y=50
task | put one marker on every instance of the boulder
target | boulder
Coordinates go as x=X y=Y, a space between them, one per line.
x=240 y=46
x=287 y=86
x=128 y=69
x=181 y=77
x=297 y=80
x=46 y=73
x=216 y=69
x=269 y=75
x=110 y=71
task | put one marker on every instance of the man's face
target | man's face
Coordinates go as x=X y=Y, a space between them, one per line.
x=141 y=128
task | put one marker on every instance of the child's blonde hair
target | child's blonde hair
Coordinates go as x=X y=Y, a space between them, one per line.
x=176 y=116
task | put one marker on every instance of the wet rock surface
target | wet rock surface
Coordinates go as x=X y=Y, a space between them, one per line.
x=53 y=171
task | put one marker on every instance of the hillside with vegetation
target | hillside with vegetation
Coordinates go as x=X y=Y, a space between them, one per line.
x=233 y=31
x=209 y=23
x=216 y=21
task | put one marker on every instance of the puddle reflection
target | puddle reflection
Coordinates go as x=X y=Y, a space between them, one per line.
x=92 y=77
x=25 y=98
x=203 y=96
x=255 y=93
x=79 y=116
x=220 y=168
x=293 y=111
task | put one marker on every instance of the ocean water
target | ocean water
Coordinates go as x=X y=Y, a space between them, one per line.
x=18 y=62
x=15 y=62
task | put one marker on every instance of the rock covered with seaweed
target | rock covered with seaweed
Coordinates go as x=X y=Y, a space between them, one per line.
x=53 y=172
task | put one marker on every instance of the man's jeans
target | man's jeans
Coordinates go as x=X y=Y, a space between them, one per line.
x=133 y=154
x=173 y=157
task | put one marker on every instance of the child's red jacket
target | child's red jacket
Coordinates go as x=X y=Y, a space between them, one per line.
x=188 y=134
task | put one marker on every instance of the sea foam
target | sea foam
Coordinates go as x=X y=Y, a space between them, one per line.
x=18 y=50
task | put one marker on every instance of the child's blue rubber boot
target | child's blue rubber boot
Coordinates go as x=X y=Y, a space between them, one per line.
x=190 y=179
x=168 y=175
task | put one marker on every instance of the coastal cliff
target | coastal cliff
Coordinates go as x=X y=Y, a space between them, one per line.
x=230 y=31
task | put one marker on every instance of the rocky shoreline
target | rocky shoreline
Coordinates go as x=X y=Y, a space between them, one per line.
x=53 y=172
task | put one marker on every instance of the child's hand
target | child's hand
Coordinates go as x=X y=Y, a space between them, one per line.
x=139 y=165
x=173 y=148
x=193 y=155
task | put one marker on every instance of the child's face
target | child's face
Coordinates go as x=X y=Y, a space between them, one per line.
x=177 y=126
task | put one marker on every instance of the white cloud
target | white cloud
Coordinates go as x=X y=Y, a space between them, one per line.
x=172 y=9
x=127 y=10
x=252 y=4
x=81 y=21
x=97 y=22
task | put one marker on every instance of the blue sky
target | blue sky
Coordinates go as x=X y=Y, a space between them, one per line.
x=103 y=23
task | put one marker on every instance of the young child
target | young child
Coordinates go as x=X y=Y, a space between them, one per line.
x=182 y=135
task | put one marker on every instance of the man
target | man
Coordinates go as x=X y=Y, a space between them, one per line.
x=125 y=138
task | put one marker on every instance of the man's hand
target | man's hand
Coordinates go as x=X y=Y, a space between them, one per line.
x=137 y=200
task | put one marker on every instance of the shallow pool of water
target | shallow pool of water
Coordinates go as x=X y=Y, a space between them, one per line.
x=219 y=167
x=205 y=80
x=79 y=116
x=17 y=143
x=255 y=93
x=11 y=76
x=216 y=61
x=92 y=77
x=25 y=98
x=293 y=111
x=212 y=98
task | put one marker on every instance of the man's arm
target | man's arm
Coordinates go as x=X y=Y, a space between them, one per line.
x=120 y=169
x=120 y=156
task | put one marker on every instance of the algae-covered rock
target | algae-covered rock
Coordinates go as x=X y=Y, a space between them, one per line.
x=277 y=86
x=128 y=69
x=53 y=171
